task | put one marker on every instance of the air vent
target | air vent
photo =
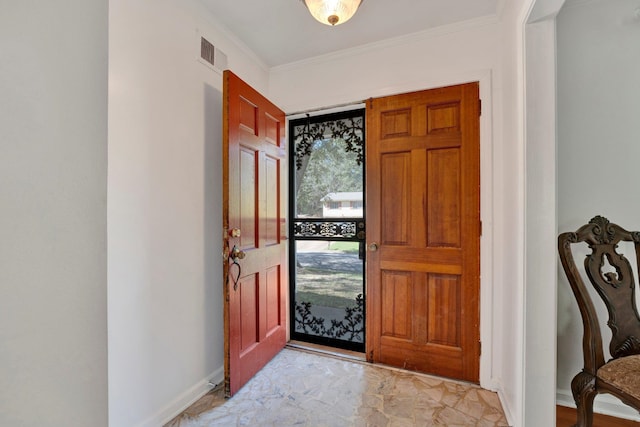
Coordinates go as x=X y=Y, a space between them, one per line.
x=212 y=56
x=207 y=51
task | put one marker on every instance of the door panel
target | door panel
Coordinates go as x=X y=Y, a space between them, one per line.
x=328 y=229
x=443 y=324
x=423 y=185
x=397 y=314
x=273 y=314
x=396 y=192
x=272 y=200
x=254 y=177
x=247 y=198
x=249 y=309
x=443 y=193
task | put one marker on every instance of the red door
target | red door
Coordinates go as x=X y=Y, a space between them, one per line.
x=254 y=207
x=423 y=230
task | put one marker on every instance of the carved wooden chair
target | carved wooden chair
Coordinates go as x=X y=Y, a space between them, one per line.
x=611 y=275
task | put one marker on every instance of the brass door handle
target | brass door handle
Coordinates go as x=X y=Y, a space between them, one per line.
x=236 y=254
x=373 y=247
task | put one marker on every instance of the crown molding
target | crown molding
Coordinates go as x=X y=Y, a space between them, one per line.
x=394 y=41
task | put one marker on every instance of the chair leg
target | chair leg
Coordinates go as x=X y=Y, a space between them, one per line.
x=584 y=392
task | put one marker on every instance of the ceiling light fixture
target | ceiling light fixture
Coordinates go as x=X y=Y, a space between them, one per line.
x=332 y=12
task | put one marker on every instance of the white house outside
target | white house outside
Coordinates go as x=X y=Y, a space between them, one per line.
x=342 y=205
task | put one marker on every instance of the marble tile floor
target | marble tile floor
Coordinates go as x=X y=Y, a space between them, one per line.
x=300 y=388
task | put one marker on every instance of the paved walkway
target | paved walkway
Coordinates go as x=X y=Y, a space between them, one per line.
x=332 y=261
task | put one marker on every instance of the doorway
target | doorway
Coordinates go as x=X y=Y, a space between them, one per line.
x=422 y=191
x=328 y=229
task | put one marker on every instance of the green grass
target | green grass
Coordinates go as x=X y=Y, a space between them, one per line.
x=349 y=247
x=317 y=299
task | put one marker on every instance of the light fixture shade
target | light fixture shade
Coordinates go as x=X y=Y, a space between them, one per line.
x=332 y=12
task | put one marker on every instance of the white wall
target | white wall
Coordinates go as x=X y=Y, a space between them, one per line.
x=484 y=50
x=164 y=213
x=508 y=257
x=540 y=214
x=413 y=62
x=53 y=223
x=598 y=144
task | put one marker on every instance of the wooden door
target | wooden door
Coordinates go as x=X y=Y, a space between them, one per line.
x=254 y=207
x=423 y=220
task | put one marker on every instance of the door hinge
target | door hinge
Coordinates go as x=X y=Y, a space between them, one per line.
x=480 y=228
x=480 y=348
x=479 y=107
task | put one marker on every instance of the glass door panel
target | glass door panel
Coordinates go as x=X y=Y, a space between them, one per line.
x=328 y=229
x=328 y=295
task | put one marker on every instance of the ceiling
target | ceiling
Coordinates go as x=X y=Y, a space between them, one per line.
x=283 y=31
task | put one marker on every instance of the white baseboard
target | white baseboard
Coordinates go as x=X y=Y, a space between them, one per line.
x=183 y=401
x=496 y=386
x=505 y=408
x=604 y=404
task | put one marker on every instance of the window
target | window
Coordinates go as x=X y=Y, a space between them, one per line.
x=356 y=205
x=335 y=205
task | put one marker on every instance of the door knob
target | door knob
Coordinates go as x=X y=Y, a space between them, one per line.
x=236 y=254
x=373 y=247
x=235 y=232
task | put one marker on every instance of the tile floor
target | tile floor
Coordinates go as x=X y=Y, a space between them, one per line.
x=299 y=388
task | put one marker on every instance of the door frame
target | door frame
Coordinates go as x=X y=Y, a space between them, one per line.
x=349 y=99
x=329 y=115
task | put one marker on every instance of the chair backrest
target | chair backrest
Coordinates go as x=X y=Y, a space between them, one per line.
x=611 y=275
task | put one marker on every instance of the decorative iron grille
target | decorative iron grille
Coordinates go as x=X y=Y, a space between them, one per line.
x=349 y=129
x=338 y=229
x=350 y=327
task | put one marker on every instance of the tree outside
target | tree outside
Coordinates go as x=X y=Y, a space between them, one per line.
x=330 y=168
